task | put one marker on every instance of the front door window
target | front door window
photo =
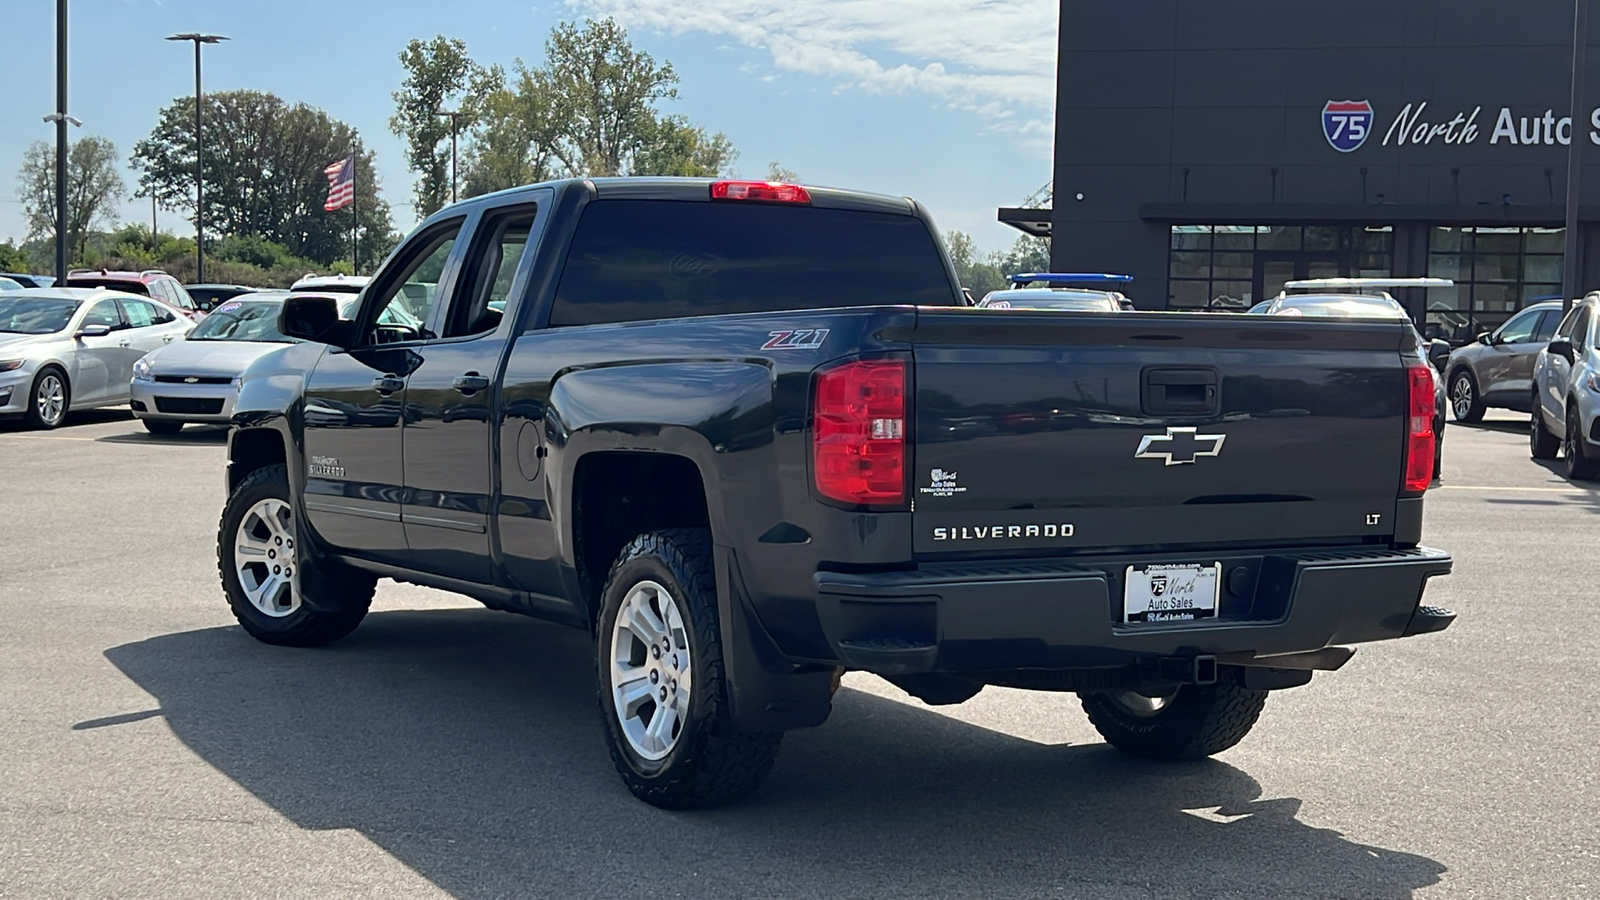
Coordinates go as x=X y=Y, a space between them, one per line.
x=405 y=304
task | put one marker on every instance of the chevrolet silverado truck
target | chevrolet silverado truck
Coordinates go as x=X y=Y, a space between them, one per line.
x=751 y=436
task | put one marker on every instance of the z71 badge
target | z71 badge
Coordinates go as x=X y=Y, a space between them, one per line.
x=799 y=339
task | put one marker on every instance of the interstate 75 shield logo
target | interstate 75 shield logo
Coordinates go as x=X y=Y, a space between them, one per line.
x=1346 y=123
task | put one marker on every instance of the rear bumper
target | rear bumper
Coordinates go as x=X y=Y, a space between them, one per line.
x=999 y=616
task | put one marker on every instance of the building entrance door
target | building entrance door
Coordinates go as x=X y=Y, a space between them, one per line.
x=1276 y=268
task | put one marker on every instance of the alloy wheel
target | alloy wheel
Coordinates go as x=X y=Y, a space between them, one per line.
x=264 y=558
x=50 y=401
x=651 y=670
x=1461 y=397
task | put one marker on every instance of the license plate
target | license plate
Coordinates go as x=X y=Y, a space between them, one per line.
x=1171 y=593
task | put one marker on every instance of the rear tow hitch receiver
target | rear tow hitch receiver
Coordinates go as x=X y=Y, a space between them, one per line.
x=1179 y=669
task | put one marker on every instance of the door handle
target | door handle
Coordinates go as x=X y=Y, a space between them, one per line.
x=123 y=343
x=470 y=383
x=388 y=384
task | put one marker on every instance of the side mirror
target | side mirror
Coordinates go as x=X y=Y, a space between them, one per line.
x=312 y=319
x=1484 y=338
x=94 y=331
x=1439 y=353
x=1562 y=347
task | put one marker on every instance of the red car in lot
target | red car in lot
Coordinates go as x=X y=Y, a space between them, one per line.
x=149 y=283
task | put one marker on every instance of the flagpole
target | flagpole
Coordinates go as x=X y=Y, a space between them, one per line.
x=355 y=222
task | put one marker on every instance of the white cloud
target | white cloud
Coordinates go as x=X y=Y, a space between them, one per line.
x=996 y=58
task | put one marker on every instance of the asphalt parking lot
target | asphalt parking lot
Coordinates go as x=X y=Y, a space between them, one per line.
x=148 y=748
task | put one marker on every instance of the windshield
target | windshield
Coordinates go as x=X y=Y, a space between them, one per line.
x=1339 y=306
x=35 y=315
x=1080 y=301
x=240 y=320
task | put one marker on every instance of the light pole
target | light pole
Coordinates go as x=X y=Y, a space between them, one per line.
x=1580 y=46
x=199 y=168
x=60 y=118
x=455 y=116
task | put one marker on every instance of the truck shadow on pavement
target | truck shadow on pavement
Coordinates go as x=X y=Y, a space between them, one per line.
x=191 y=436
x=466 y=743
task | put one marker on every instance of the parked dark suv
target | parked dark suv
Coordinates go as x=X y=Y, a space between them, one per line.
x=1497 y=369
x=149 y=283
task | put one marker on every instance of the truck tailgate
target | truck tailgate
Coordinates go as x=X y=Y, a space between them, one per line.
x=1051 y=433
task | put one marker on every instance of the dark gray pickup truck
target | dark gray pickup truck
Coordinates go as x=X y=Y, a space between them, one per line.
x=750 y=437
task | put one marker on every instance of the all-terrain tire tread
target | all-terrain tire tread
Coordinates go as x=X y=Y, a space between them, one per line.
x=728 y=764
x=1213 y=719
x=307 y=627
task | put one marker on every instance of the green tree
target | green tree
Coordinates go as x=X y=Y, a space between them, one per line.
x=1028 y=254
x=94 y=187
x=978 y=275
x=602 y=91
x=438 y=74
x=264 y=162
x=513 y=135
x=672 y=146
x=13 y=258
x=776 y=172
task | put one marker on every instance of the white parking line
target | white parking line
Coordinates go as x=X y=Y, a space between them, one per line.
x=1485 y=487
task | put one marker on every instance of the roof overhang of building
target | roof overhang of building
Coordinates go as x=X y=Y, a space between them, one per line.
x=1028 y=221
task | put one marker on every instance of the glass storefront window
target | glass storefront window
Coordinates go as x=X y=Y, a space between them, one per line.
x=1497 y=270
x=1235 y=266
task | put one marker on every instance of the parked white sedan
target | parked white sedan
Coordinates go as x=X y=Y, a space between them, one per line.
x=64 y=349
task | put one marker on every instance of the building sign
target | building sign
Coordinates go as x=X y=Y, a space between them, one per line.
x=1347 y=123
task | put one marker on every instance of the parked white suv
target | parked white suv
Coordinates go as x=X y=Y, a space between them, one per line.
x=1566 y=393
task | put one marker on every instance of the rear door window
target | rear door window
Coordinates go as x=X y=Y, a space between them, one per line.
x=140 y=314
x=485 y=288
x=1547 y=325
x=635 y=260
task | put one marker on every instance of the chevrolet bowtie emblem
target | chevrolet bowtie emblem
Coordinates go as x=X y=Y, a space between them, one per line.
x=191 y=380
x=1179 y=446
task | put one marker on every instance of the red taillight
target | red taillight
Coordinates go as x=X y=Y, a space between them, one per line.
x=1419 y=428
x=858 y=433
x=769 y=191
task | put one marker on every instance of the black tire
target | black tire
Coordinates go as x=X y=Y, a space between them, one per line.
x=46 y=376
x=335 y=586
x=1580 y=465
x=1464 y=401
x=162 y=426
x=711 y=762
x=1195 y=722
x=1542 y=442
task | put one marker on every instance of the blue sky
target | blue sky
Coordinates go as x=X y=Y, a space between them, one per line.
x=948 y=101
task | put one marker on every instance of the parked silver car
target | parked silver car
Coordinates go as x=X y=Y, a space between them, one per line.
x=1566 y=393
x=198 y=380
x=64 y=349
x=1497 y=369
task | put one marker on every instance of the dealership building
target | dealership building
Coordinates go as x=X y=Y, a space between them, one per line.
x=1217 y=150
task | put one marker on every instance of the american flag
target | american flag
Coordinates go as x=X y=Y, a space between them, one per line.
x=341 y=184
